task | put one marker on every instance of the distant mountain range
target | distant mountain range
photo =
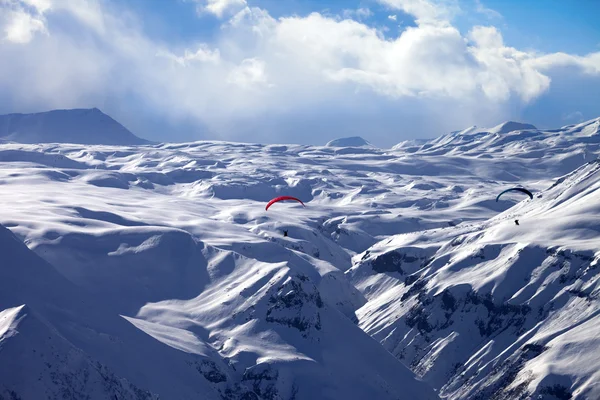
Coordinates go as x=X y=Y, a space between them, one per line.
x=82 y=126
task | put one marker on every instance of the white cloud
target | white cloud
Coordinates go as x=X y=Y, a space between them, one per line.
x=260 y=66
x=220 y=8
x=426 y=11
x=40 y=5
x=488 y=12
x=20 y=27
x=428 y=60
x=254 y=19
x=504 y=69
x=589 y=64
x=392 y=17
x=359 y=13
x=21 y=20
x=249 y=74
x=203 y=54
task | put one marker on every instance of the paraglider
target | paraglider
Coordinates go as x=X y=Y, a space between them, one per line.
x=281 y=198
x=517 y=189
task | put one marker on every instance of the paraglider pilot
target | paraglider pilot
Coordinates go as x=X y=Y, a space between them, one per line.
x=285 y=233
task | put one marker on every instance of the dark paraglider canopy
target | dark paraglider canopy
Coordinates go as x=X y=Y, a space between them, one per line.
x=282 y=198
x=517 y=189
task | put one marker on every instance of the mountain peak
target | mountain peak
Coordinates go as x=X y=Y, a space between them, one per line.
x=352 y=141
x=9 y=320
x=82 y=126
x=510 y=126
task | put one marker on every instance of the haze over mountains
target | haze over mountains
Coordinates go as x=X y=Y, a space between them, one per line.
x=154 y=271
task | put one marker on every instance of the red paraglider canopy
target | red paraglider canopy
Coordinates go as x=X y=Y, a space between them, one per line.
x=281 y=198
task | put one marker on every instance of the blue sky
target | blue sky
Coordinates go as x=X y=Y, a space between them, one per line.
x=544 y=25
x=303 y=71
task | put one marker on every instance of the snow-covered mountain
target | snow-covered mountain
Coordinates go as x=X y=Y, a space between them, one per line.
x=353 y=141
x=142 y=272
x=569 y=143
x=83 y=126
x=494 y=309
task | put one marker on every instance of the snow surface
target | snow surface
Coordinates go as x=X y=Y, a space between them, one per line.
x=85 y=126
x=139 y=272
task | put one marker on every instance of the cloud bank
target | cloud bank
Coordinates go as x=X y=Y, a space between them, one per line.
x=292 y=79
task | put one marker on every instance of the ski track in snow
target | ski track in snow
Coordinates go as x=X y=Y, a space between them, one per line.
x=154 y=271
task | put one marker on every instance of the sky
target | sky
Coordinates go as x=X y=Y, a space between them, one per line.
x=303 y=71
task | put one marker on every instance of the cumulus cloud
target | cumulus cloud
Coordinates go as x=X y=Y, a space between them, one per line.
x=19 y=24
x=427 y=60
x=220 y=8
x=589 y=64
x=260 y=72
x=502 y=69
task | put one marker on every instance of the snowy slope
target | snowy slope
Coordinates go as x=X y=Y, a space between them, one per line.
x=149 y=282
x=155 y=270
x=85 y=126
x=63 y=339
x=277 y=344
x=558 y=151
x=38 y=363
x=496 y=310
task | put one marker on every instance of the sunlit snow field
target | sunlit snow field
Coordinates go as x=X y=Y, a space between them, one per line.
x=155 y=270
